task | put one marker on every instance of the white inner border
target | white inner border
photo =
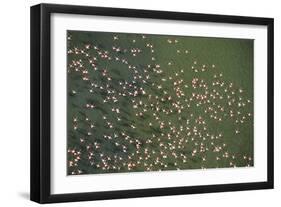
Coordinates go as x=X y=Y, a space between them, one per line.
x=60 y=183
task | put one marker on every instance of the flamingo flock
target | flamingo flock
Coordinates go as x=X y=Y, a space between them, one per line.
x=132 y=108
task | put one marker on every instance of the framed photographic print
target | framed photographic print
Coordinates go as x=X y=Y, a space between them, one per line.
x=132 y=103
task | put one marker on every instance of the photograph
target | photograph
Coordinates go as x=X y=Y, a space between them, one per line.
x=149 y=102
x=129 y=103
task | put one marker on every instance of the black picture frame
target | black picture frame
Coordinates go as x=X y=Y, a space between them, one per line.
x=40 y=102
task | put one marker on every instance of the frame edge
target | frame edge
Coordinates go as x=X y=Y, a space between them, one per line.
x=35 y=161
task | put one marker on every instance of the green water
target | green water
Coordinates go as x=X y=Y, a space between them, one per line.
x=183 y=102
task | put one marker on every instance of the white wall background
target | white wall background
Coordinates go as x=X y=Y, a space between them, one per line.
x=14 y=102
